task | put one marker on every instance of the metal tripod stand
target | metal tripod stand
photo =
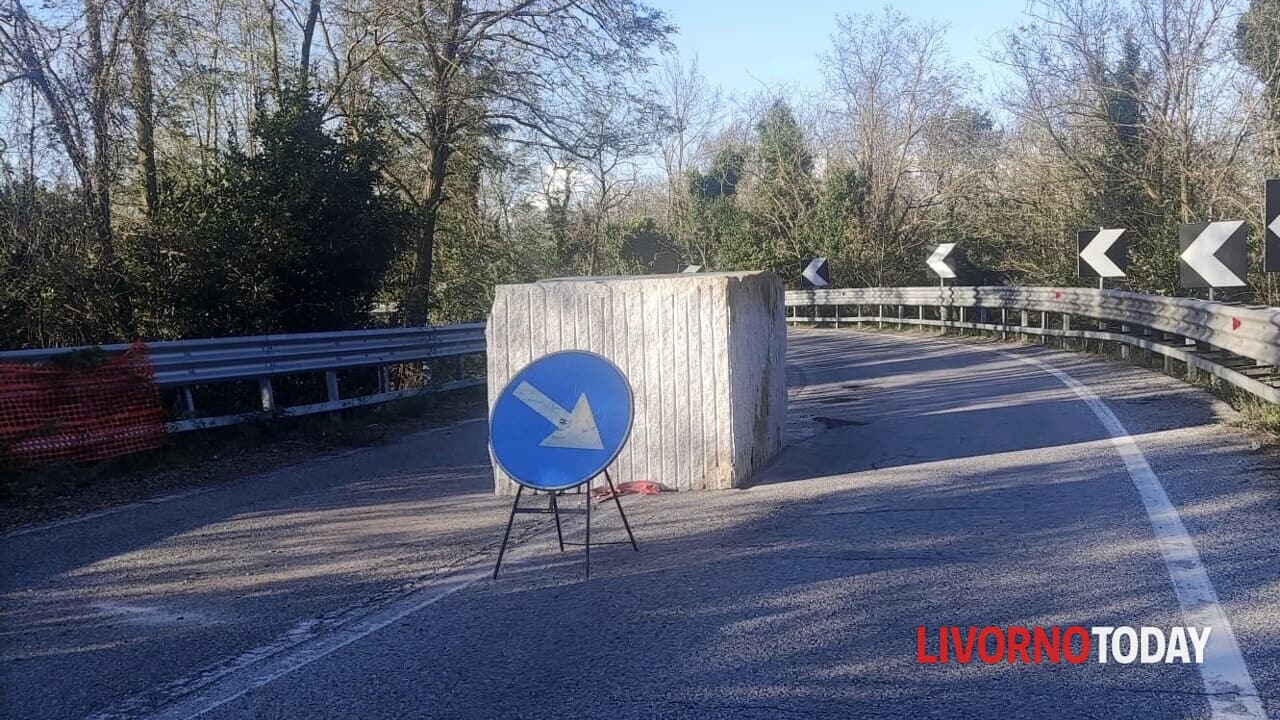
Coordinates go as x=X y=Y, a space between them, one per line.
x=553 y=508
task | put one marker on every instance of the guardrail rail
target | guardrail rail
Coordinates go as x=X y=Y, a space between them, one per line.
x=184 y=364
x=1236 y=344
x=1233 y=343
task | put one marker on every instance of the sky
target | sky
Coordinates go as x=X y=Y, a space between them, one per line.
x=746 y=46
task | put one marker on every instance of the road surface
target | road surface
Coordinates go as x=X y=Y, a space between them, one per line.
x=928 y=482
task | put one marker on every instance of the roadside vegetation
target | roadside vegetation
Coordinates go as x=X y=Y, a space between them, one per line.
x=174 y=170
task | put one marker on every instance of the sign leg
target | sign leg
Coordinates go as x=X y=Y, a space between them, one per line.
x=587 y=495
x=618 y=501
x=555 y=510
x=510 y=519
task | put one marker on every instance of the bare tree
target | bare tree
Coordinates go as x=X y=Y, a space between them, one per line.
x=890 y=80
x=695 y=110
x=499 y=66
x=90 y=56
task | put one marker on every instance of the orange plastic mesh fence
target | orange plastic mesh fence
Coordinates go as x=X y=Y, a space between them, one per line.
x=81 y=410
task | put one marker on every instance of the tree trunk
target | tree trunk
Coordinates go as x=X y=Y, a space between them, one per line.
x=308 y=32
x=139 y=29
x=100 y=168
x=269 y=7
x=433 y=198
x=440 y=145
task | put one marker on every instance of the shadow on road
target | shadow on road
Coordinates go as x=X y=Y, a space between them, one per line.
x=929 y=484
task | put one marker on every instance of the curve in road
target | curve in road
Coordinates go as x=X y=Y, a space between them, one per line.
x=929 y=482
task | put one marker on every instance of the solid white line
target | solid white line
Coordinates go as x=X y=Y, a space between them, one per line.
x=265 y=672
x=198 y=694
x=1227 y=683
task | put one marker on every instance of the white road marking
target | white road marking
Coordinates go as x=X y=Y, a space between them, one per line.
x=1227 y=683
x=311 y=640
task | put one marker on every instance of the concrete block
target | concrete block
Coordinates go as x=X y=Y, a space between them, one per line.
x=705 y=354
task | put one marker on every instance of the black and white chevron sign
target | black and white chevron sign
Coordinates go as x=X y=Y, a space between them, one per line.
x=1103 y=253
x=1214 y=254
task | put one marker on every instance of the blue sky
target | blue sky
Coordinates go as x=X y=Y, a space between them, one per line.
x=748 y=45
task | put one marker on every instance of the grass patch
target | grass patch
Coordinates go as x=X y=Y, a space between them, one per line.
x=1260 y=416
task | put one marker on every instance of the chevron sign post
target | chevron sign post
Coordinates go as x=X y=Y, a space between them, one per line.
x=1103 y=254
x=1214 y=254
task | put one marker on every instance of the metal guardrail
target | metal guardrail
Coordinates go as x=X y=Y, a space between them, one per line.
x=1238 y=344
x=1235 y=343
x=182 y=364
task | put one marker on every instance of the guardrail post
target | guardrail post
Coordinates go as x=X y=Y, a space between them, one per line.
x=384 y=379
x=880 y=316
x=267 y=393
x=901 y=311
x=1004 y=323
x=188 y=402
x=331 y=392
x=837 y=317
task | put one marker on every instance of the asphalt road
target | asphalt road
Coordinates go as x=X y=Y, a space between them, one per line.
x=928 y=482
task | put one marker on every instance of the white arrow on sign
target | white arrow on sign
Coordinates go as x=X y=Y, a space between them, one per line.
x=1275 y=226
x=1201 y=254
x=810 y=272
x=1095 y=253
x=937 y=260
x=575 y=429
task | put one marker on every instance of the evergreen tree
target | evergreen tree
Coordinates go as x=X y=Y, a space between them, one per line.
x=783 y=191
x=295 y=238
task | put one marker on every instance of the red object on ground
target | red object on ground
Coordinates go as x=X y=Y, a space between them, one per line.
x=80 y=412
x=637 y=487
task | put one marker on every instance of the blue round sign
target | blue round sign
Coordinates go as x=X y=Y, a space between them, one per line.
x=561 y=420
